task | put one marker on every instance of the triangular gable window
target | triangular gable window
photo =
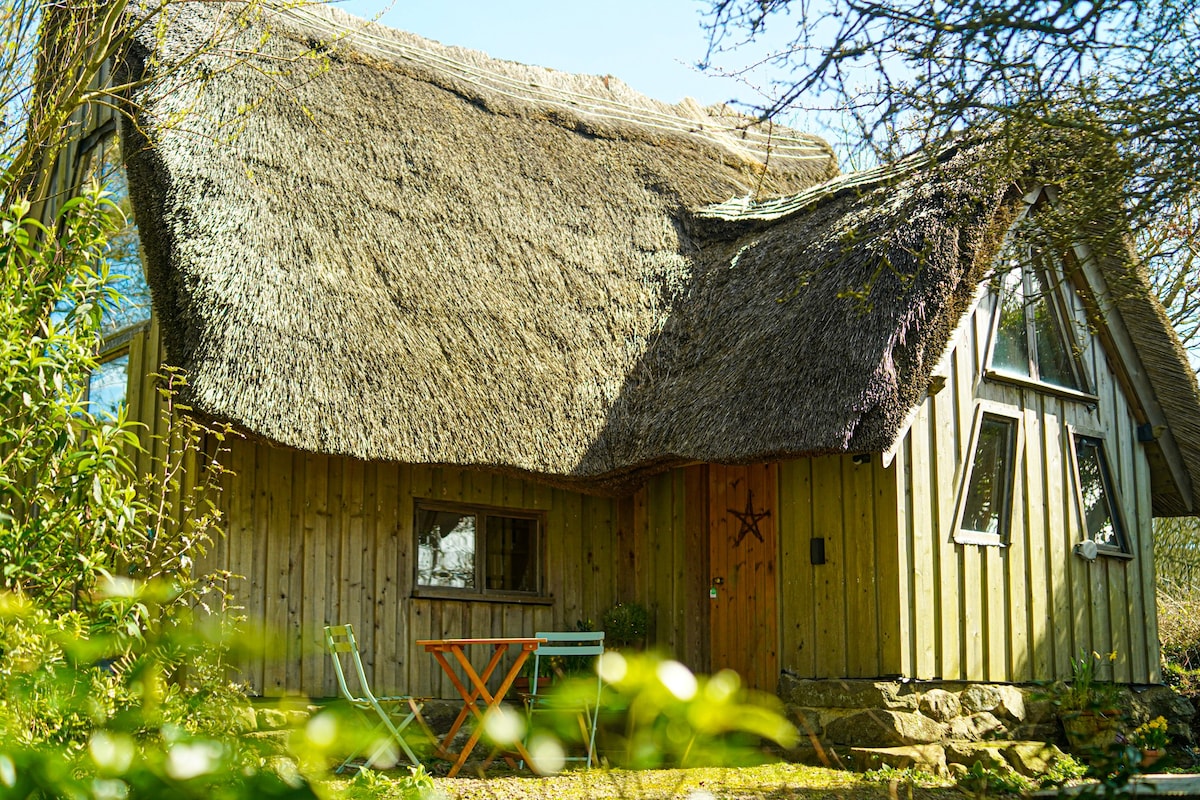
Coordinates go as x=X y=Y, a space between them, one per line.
x=1031 y=340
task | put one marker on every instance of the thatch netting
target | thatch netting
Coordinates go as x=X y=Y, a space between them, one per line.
x=368 y=244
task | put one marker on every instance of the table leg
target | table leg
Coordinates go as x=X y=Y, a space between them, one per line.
x=479 y=683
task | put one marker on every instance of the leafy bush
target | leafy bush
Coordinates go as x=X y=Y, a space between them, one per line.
x=1179 y=627
x=656 y=713
x=625 y=623
x=113 y=659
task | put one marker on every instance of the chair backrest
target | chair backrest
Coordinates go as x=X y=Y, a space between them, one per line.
x=570 y=643
x=567 y=644
x=340 y=640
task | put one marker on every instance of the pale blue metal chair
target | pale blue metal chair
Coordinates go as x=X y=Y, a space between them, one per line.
x=395 y=713
x=570 y=644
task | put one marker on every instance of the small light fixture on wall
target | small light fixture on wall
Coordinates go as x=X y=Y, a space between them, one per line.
x=1086 y=550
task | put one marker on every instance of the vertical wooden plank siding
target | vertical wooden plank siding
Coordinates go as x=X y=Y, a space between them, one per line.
x=1020 y=612
x=325 y=540
x=840 y=618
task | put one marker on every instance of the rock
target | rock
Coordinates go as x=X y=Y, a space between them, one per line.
x=1046 y=731
x=271 y=719
x=296 y=718
x=940 y=705
x=1032 y=759
x=883 y=728
x=990 y=756
x=270 y=742
x=808 y=721
x=975 y=727
x=929 y=757
x=979 y=697
x=1039 y=709
x=836 y=693
x=1012 y=703
x=1162 y=701
x=242 y=717
x=957 y=770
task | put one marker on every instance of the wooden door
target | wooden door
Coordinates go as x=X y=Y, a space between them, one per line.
x=742 y=523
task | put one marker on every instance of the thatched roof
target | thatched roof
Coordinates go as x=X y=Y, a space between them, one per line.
x=401 y=251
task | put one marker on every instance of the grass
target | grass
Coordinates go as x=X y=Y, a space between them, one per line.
x=766 y=782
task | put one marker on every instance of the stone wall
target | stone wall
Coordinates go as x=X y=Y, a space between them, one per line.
x=938 y=722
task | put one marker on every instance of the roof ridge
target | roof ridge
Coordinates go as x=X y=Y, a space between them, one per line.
x=796 y=147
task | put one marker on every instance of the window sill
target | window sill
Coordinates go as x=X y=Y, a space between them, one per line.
x=1117 y=554
x=1045 y=388
x=431 y=593
x=980 y=539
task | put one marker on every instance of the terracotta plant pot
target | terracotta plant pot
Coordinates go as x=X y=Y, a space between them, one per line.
x=1151 y=757
x=1091 y=730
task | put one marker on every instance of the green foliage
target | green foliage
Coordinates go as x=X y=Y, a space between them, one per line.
x=980 y=781
x=1064 y=770
x=370 y=785
x=67 y=500
x=655 y=713
x=113 y=655
x=625 y=624
x=1151 y=735
x=1179 y=625
x=1085 y=692
x=907 y=776
x=140 y=709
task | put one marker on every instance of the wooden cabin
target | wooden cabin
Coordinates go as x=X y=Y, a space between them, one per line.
x=505 y=353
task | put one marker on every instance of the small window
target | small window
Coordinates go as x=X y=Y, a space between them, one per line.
x=987 y=498
x=1097 y=495
x=131 y=301
x=478 y=550
x=1031 y=340
x=107 y=387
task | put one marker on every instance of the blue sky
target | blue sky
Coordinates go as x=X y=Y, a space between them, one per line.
x=649 y=44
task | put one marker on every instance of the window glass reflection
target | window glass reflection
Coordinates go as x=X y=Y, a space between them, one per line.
x=445 y=549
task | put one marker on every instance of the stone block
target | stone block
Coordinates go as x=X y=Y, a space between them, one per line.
x=1012 y=704
x=808 y=721
x=1163 y=701
x=976 y=727
x=271 y=719
x=928 y=757
x=989 y=755
x=1046 y=731
x=1032 y=759
x=883 y=728
x=940 y=705
x=838 y=693
x=979 y=697
x=242 y=718
x=296 y=718
x=1039 y=709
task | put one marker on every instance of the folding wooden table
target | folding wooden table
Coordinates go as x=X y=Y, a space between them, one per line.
x=475 y=686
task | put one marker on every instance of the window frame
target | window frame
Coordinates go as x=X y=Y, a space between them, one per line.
x=1111 y=494
x=983 y=411
x=102 y=140
x=481 y=593
x=1032 y=264
x=109 y=354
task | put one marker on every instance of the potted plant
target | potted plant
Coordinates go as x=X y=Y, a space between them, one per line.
x=1151 y=738
x=1090 y=709
x=626 y=625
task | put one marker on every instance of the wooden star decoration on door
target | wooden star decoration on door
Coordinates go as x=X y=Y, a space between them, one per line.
x=750 y=519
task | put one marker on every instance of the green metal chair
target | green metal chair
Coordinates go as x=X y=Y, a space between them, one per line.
x=395 y=713
x=567 y=644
